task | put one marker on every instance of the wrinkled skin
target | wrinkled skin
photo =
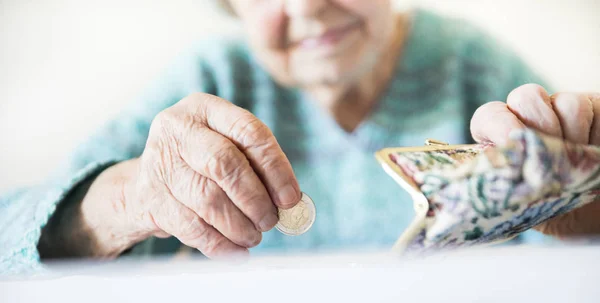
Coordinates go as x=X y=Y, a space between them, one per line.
x=211 y=175
x=572 y=116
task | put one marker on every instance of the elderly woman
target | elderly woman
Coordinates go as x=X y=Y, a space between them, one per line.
x=238 y=128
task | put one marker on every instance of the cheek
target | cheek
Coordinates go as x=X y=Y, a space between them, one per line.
x=266 y=24
x=365 y=8
x=266 y=27
x=377 y=14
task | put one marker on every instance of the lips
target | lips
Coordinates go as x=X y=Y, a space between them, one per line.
x=329 y=37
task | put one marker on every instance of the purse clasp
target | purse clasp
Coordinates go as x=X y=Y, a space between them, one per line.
x=433 y=142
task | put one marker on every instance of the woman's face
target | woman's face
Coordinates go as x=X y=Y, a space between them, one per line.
x=316 y=42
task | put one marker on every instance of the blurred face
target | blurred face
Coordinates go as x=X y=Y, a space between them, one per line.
x=316 y=42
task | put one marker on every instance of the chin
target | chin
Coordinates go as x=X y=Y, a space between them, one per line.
x=328 y=74
x=342 y=70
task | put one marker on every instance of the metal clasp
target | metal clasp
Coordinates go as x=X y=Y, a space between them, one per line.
x=433 y=142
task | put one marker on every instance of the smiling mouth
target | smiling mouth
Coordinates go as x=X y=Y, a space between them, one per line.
x=328 y=38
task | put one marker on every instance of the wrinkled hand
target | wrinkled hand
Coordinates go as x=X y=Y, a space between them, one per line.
x=211 y=175
x=571 y=116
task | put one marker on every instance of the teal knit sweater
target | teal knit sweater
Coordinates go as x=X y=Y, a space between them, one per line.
x=448 y=68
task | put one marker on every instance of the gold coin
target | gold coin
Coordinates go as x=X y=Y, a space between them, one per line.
x=298 y=219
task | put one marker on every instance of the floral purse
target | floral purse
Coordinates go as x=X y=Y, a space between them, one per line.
x=468 y=195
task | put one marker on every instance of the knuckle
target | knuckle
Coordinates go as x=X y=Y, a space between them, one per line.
x=256 y=208
x=156 y=166
x=163 y=130
x=574 y=105
x=198 y=103
x=163 y=121
x=160 y=160
x=489 y=107
x=526 y=94
x=215 y=213
x=252 y=200
x=239 y=232
x=585 y=108
x=194 y=188
x=275 y=164
x=225 y=163
x=213 y=245
x=486 y=111
x=211 y=210
x=203 y=186
x=250 y=130
x=531 y=89
x=195 y=97
x=192 y=100
x=185 y=122
x=193 y=228
x=173 y=121
x=200 y=98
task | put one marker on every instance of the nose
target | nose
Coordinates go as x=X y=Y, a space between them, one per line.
x=304 y=8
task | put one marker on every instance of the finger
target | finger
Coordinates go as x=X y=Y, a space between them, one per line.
x=580 y=222
x=595 y=129
x=259 y=145
x=576 y=115
x=214 y=156
x=181 y=222
x=532 y=105
x=211 y=203
x=162 y=234
x=493 y=123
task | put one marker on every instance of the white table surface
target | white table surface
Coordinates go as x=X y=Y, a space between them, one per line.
x=504 y=274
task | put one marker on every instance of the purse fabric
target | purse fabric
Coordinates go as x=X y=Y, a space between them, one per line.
x=487 y=194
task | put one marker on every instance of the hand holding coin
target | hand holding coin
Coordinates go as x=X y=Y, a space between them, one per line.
x=298 y=219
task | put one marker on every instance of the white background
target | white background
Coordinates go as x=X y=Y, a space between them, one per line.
x=68 y=65
x=493 y=275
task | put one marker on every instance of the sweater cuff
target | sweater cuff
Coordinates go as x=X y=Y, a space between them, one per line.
x=24 y=213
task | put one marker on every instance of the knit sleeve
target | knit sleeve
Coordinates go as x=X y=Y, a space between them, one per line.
x=23 y=213
x=491 y=70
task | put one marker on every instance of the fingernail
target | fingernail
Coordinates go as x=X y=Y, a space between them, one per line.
x=268 y=222
x=255 y=240
x=288 y=196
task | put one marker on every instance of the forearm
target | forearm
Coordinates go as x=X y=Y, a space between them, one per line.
x=93 y=220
